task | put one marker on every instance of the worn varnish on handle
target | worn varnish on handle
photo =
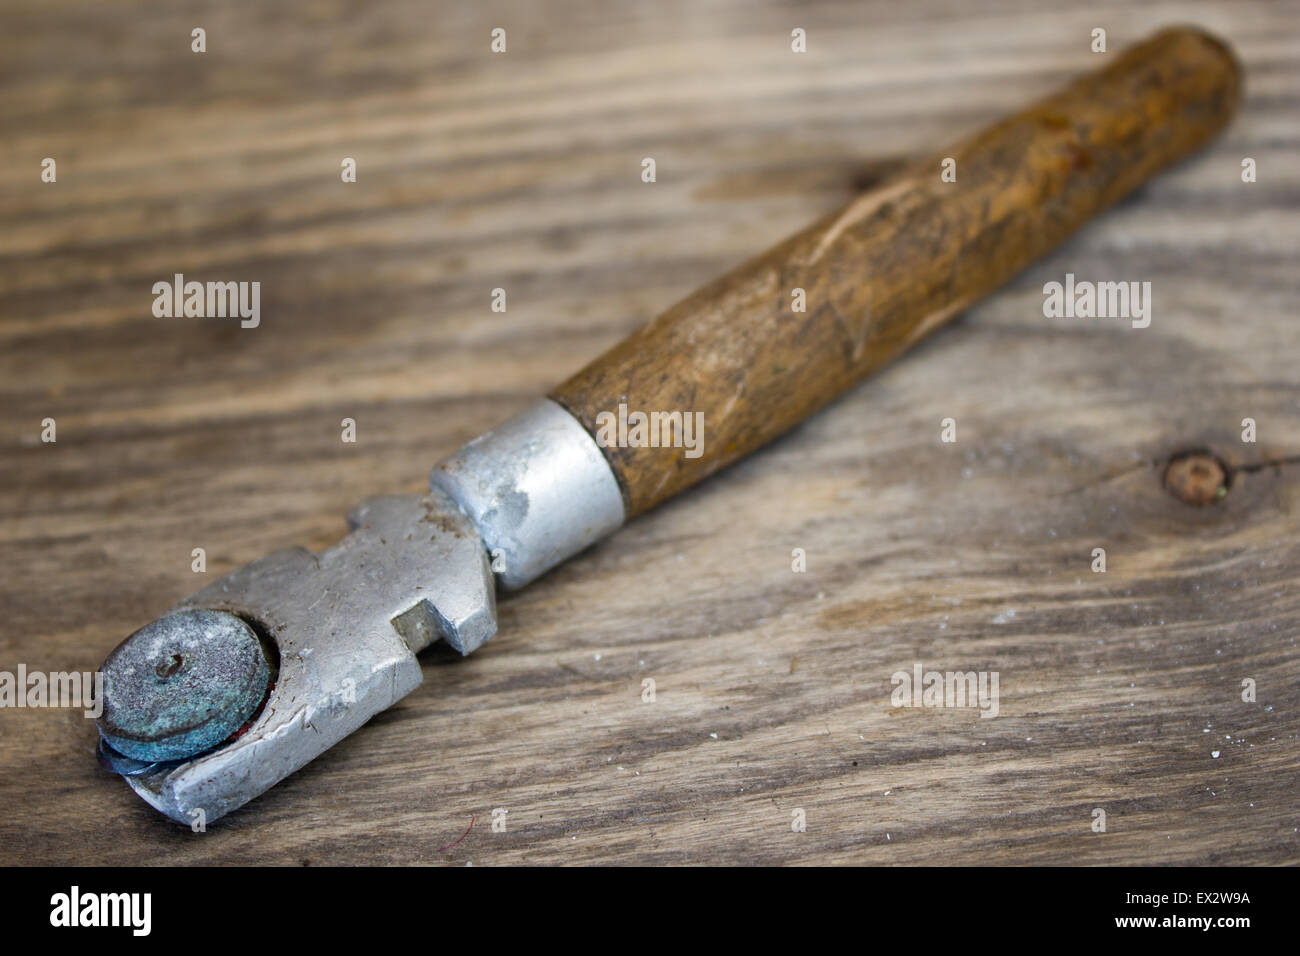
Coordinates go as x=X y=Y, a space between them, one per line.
x=899 y=261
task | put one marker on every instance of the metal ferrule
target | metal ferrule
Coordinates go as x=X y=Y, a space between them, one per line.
x=538 y=489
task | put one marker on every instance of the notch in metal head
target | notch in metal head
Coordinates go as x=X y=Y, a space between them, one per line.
x=338 y=633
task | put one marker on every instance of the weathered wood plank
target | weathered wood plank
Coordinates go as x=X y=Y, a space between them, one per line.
x=522 y=171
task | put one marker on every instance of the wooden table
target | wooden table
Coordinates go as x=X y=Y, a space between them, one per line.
x=1120 y=691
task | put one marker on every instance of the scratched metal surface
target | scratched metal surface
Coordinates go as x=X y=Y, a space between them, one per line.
x=772 y=688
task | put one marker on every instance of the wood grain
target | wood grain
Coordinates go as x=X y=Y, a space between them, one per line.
x=895 y=264
x=521 y=171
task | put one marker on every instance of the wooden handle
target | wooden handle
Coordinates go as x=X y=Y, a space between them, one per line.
x=895 y=264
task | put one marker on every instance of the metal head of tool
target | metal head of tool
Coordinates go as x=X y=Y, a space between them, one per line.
x=252 y=677
x=243 y=683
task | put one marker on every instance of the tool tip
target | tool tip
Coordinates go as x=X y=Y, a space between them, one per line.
x=182 y=684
